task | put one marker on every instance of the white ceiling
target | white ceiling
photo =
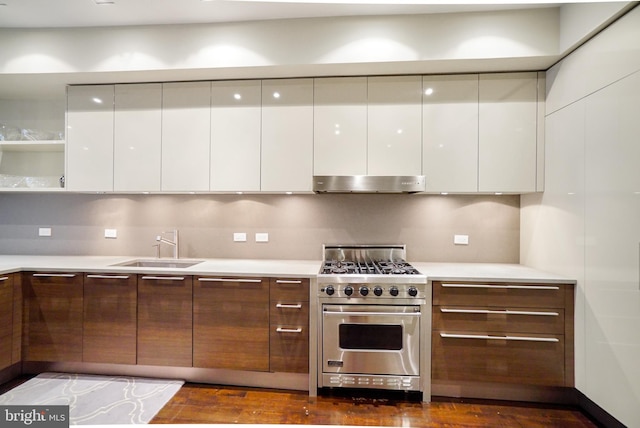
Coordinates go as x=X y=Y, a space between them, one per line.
x=86 y=13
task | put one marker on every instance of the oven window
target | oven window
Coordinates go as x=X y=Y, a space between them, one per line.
x=371 y=336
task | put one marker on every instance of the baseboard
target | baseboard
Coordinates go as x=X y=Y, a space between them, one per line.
x=492 y=391
x=277 y=380
x=597 y=413
x=10 y=373
x=504 y=392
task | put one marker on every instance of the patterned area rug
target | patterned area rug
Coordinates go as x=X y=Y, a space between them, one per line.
x=96 y=400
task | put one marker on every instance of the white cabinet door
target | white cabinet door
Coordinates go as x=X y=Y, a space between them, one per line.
x=138 y=125
x=90 y=121
x=508 y=132
x=450 y=133
x=612 y=250
x=394 y=125
x=235 y=135
x=287 y=135
x=340 y=126
x=186 y=134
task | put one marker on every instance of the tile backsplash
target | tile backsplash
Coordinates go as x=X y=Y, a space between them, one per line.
x=297 y=225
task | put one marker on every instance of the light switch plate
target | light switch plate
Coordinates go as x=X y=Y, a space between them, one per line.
x=239 y=237
x=461 y=239
x=262 y=237
x=44 y=231
x=111 y=233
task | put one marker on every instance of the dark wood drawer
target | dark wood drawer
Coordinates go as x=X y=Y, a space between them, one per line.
x=518 y=359
x=289 y=289
x=289 y=348
x=506 y=295
x=500 y=320
x=288 y=313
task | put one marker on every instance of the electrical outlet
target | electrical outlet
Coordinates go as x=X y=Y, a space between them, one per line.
x=239 y=237
x=461 y=239
x=44 y=231
x=262 y=237
x=111 y=233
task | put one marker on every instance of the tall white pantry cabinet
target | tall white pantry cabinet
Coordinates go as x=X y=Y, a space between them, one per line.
x=586 y=225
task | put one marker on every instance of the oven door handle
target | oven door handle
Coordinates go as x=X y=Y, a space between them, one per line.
x=394 y=314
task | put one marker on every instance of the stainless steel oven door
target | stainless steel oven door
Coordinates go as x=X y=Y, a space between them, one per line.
x=371 y=339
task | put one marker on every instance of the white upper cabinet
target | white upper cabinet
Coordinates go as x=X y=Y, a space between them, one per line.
x=287 y=135
x=235 y=135
x=137 y=146
x=508 y=132
x=394 y=120
x=186 y=135
x=450 y=133
x=340 y=126
x=90 y=123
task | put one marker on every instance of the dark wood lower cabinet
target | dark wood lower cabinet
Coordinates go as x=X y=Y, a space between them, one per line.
x=501 y=336
x=231 y=323
x=110 y=318
x=6 y=320
x=52 y=316
x=165 y=326
x=517 y=360
x=16 y=355
x=289 y=325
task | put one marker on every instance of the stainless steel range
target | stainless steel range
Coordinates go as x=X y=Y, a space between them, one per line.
x=374 y=320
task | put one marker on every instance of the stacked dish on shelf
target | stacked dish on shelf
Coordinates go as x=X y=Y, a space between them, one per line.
x=19 y=171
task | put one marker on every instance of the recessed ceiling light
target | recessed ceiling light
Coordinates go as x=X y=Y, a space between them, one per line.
x=104 y=2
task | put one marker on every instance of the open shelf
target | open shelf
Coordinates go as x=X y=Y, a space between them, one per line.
x=32 y=146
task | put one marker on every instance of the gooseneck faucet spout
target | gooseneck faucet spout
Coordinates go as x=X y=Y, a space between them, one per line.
x=173 y=242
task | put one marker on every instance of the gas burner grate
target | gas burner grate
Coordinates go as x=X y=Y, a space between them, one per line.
x=368 y=267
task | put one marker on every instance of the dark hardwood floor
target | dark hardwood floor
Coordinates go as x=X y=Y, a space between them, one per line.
x=210 y=404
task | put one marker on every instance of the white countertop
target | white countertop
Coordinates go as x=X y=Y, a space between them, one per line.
x=252 y=267
x=488 y=272
x=282 y=268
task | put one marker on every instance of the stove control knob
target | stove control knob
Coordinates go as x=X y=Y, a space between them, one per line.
x=393 y=291
x=377 y=290
x=364 y=291
x=329 y=290
x=413 y=292
x=348 y=290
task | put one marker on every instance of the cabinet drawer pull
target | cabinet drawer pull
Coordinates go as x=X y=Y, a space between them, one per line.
x=289 y=330
x=514 y=287
x=483 y=337
x=229 y=280
x=108 y=276
x=289 y=306
x=4 y=278
x=54 y=275
x=160 y=278
x=491 y=311
x=288 y=281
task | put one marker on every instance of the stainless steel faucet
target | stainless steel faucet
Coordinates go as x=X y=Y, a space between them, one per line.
x=173 y=243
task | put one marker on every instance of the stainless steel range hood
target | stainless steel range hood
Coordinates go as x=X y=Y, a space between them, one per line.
x=368 y=184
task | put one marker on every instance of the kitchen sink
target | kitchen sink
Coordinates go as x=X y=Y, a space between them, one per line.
x=160 y=263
